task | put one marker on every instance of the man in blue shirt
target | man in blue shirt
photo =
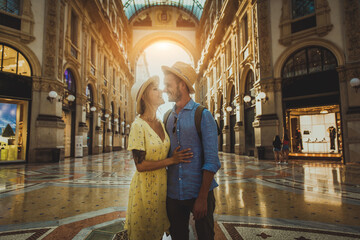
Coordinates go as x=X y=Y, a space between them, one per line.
x=190 y=186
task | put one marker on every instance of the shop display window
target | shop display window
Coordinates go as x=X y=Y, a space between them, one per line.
x=13 y=130
x=317 y=133
x=315 y=130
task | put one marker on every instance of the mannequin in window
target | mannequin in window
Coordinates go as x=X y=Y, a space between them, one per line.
x=298 y=140
x=332 y=135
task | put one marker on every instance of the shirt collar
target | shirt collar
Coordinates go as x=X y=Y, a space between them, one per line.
x=188 y=106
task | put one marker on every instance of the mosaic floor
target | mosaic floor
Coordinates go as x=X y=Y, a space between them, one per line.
x=86 y=198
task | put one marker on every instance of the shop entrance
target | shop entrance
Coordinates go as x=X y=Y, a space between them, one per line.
x=15 y=102
x=311 y=104
x=315 y=131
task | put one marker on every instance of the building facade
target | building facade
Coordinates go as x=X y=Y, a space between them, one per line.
x=271 y=68
x=65 y=79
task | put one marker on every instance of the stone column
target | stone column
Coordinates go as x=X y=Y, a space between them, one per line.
x=266 y=123
x=350 y=98
x=82 y=129
x=117 y=140
x=108 y=132
x=98 y=130
x=47 y=138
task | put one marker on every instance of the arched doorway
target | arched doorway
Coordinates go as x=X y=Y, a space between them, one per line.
x=311 y=103
x=221 y=137
x=15 y=99
x=125 y=130
x=103 y=121
x=119 y=130
x=112 y=124
x=90 y=117
x=69 y=113
x=232 y=115
x=249 y=114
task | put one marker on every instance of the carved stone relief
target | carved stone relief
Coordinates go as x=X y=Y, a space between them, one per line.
x=50 y=39
x=184 y=21
x=61 y=40
x=143 y=20
x=352 y=26
x=45 y=85
x=264 y=39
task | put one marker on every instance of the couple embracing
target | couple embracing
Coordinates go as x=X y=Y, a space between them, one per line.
x=175 y=165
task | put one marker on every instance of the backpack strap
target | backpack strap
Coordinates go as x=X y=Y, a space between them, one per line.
x=166 y=117
x=198 y=115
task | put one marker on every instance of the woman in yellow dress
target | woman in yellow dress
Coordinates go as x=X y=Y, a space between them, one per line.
x=146 y=217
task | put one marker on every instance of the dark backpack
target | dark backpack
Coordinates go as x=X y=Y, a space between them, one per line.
x=198 y=115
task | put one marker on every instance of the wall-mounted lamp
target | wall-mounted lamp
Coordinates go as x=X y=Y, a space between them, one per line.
x=229 y=108
x=93 y=109
x=262 y=97
x=116 y=120
x=324 y=111
x=70 y=98
x=52 y=96
x=355 y=83
x=106 y=115
x=128 y=126
x=123 y=123
x=247 y=99
x=217 y=115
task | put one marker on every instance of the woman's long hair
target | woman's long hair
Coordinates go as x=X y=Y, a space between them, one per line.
x=143 y=101
x=277 y=139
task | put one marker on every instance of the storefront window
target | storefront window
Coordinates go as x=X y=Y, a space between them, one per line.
x=315 y=130
x=13 y=130
x=13 y=61
x=23 y=66
x=9 y=60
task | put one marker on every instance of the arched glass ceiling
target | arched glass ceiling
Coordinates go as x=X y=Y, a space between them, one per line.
x=132 y=7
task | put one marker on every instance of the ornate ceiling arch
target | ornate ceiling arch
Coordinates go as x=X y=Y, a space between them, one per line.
x=181 y=41
x=193 y=7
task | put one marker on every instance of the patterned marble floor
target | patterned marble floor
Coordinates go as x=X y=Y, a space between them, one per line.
x=86 y=198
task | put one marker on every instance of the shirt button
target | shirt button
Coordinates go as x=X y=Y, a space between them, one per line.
x=179 y=179
x=180 y=166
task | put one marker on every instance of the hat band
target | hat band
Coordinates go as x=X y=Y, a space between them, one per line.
x=179 y=70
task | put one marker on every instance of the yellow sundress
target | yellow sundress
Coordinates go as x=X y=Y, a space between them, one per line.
x=146 y=216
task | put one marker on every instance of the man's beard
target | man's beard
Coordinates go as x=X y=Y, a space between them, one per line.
x=176 y=96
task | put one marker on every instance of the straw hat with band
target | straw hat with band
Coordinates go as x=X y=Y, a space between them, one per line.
x=184 y=71
x=138 y=90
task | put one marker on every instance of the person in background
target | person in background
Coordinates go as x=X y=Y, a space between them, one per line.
x=146 y=216
x=190 y=186
x=277 y=149
x=285 y=149
x=298 y=140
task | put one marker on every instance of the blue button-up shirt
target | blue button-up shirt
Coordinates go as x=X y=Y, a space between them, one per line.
x=185 y=179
